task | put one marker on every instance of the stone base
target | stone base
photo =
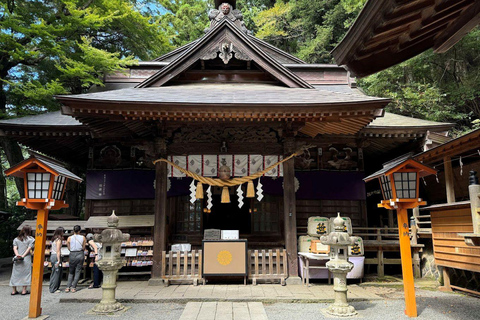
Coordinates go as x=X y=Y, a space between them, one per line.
x=156 y=282
x=102 y=308
x=293 y=281
x=341 y=310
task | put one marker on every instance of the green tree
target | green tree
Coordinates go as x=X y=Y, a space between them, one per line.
x=64 y=46
x=439 y=87
x=184 y=20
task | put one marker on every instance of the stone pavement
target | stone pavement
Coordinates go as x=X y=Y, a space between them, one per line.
x=224 y=311
x=140 y=292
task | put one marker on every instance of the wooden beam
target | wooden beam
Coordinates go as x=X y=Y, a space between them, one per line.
x=160 y=210
x=468 y=20
x=449 y=184
x=290 y=213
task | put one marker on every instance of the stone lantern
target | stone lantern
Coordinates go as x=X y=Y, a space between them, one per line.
x=111 y=261
x=339 y=266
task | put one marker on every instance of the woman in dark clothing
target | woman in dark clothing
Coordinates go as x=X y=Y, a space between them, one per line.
x=56 y=261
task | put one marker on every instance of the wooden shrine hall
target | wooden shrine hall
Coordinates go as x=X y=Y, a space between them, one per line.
x=226 y=99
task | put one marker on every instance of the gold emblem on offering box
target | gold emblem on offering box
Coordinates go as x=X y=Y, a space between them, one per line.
x=224 y=257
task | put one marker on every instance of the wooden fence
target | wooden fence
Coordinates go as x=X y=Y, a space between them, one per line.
x=381 y=240
x=187 y=266
x=182 y=266
x=267 y=265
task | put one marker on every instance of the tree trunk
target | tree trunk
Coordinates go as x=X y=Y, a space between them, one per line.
x=14 y=156
x=3 y=191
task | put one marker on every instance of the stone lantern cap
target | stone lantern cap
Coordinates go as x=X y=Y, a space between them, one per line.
x=338 y=238
x=111 y=234
x=112 y=221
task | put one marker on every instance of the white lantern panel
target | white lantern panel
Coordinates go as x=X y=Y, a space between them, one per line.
x=38 y=185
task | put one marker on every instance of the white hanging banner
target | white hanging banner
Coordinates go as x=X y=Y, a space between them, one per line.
x=240 y=165
x=256 y=163
x=194 y=164
x=210 y=166
x=269 y=160
x=179 y=161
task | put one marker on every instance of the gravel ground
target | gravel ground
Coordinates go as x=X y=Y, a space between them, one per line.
x=431 y=304
x=436 y=306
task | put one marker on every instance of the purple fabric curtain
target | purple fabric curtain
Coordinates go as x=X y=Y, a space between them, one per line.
x=138 y=184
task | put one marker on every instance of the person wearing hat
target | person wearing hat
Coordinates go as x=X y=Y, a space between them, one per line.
x=97 y=273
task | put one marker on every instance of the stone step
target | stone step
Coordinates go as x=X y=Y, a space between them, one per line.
x=224 y=311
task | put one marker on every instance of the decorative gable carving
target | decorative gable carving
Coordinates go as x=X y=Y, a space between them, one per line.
x=226 y=11
x=227 y=40
x=225 y=51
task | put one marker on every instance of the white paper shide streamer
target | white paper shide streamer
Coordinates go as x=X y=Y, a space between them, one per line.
x=240 y=196
x=193 y=190
x=209 y=198
x=259 y=191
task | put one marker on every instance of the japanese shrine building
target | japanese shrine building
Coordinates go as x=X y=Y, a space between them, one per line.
x=233 y=97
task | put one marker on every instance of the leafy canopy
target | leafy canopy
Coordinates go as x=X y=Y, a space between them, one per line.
x=65 y=46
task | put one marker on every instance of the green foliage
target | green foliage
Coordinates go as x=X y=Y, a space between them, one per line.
x=309 y=29
x=185 y=20
x=65 y=46
x=276 y=26
x=439 y=87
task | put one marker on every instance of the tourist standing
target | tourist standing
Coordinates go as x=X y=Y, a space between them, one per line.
x=97 y=273
x=56 y=261
x=22 y=261
x=76 y=245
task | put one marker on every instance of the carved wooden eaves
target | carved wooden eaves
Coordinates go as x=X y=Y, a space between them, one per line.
x=226 y=41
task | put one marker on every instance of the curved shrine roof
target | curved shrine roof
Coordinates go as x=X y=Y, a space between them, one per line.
x=223 y=94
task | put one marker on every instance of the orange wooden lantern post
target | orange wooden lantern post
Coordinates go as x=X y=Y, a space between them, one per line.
x=399 y=180
x=45 y=181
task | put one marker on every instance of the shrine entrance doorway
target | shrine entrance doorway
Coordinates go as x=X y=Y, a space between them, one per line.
x=228 y=216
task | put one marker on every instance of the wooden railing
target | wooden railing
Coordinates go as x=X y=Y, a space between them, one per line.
x=267 y=265
x=381 y=240
x=187 y=266
x=182 y=266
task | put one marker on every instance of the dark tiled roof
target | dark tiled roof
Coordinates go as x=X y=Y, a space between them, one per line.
x=395 y=120
x=46 y=119
x=222 y=94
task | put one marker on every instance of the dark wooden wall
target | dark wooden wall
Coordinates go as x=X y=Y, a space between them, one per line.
x=121 y=207
x=305 y=209
x=353 y=209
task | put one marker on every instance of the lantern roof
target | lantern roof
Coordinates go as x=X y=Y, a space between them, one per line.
x=39 y=161
x=403 y=162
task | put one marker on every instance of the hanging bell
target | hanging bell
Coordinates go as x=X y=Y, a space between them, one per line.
x=250 y=189
x=224 y=172
x=199 y=192
x=225 y=195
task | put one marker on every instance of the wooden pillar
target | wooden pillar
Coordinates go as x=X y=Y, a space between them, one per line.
x=406 y=256
x=447 y=163
x=160 y=227
x=35 y=309
x=289 y=206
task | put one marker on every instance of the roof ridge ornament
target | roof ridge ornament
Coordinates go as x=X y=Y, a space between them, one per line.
x=226 y=11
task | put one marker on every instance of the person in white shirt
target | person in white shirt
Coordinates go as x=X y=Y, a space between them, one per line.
x=76 y=245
